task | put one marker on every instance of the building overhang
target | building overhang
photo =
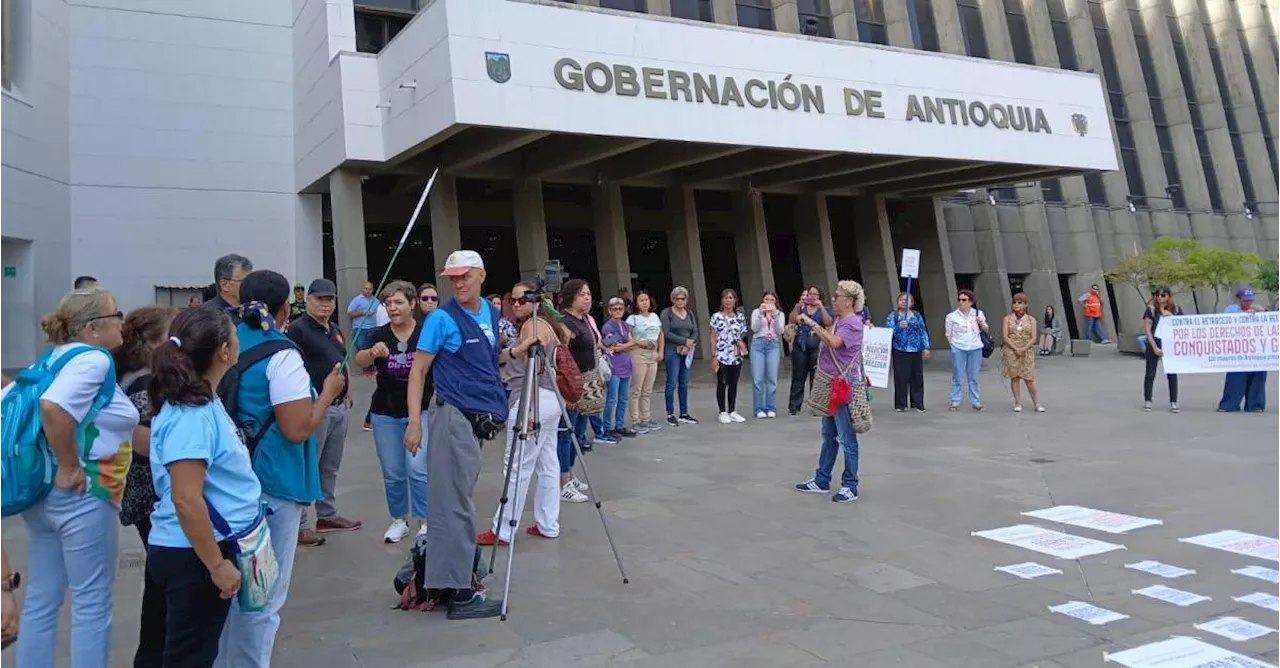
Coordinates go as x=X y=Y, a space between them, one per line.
x=513 y=89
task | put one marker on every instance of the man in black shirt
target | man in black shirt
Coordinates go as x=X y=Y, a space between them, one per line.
x=323 y=348
x=228 y=272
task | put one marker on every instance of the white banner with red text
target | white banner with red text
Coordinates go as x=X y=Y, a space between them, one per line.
x=1220 y=342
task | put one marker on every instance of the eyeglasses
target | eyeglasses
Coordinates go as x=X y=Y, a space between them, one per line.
x=963 y=299
x=430 y=298
x=680 y=299
x=616 y=308
x=117 y=314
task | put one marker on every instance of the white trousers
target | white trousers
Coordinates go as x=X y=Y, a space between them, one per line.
x=538 y=455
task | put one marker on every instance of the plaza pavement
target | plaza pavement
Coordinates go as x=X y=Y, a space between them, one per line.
x=731 y=567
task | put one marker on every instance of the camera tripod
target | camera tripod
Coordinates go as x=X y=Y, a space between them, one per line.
x=527 y=426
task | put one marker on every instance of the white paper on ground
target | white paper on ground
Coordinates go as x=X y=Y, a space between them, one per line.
x=1239 y=542
x=1234 y=628
x=1048 y=541
x=1268 y=601
x=1028 y=570
x=1091 y=518
x=1260 y=572
x=1157 y=568
x=1177 y=597
x=1182 y=652
x=1087 y=612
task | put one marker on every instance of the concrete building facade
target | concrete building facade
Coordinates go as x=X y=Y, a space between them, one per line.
x=753 y=144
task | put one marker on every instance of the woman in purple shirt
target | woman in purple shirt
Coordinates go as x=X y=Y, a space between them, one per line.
x=839 y=355
x=616 y=338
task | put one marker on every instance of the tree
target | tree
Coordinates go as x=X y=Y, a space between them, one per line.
x=1219 y=269
x=1164 y=264
x=1266 y=277
x=1136 y=270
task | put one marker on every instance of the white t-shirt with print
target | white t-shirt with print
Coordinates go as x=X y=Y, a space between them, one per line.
x=106 y=464
x=965 y=331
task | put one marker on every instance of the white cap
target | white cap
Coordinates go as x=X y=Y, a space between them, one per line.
x=460 y=262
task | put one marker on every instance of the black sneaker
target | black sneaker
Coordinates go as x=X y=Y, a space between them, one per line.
x=625 y=433
x=477 y=608
x=688 y=419
x=671 y=420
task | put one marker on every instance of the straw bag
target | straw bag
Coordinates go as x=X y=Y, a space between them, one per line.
x=829 y=393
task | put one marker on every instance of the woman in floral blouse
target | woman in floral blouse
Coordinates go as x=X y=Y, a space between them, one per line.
x=910 y=350
x=728 y=328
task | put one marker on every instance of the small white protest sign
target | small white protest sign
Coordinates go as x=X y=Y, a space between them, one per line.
x=1047 y=541
x=910 y=263
x=1028 y=570
x=1239 y=542
x=1091 y=518
x=1182 y=652
x=1259 y=572
x=1177 y=597
x=1234 y=628
x=1157 y=568
x=1268 y=601
x=877 y=351
x=1087 y=612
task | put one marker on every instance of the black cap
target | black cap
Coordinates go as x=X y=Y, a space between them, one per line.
x=322 y=287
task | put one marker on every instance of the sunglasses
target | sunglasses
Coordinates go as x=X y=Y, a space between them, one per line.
x=963 y=299
x=117 y=314
x=430 y=298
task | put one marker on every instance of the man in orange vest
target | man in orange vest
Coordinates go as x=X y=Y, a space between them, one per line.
x=1092 y=301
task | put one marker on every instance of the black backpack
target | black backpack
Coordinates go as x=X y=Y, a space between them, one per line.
x=252 y=428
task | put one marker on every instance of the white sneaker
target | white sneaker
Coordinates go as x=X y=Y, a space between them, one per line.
x=760 y=415
x=396 y=532
x=724 y=418
x=772 y=414
x=1039 y=408
x=737 y=417
x=422 y=529
x=579 y=485
x=571 y=495
x=1017 y=408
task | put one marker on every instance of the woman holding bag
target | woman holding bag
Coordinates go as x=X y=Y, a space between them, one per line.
x=203 y=478
x=839 y=364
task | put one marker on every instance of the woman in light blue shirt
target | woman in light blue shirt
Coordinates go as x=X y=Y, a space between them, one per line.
x=199 y=465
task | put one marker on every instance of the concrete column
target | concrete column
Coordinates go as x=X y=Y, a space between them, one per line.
x=1239 y=230
x=531 y=228
x=1257 y=35
x=996 y=29
x=947 y=19
x=684 y=242
x=786 y=17
x=351 y=261
x=992 y=283
x=1256 y=156
x=751 y=241
x=924 y=228
x=725 y=12
x=1195 y=189
x=876 y=255
x=446 y=236
x=813 y=238
x=611 y=240
x=658 y=7
x=844 y=20
x=897 y=23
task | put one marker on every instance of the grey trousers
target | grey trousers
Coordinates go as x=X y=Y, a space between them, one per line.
x=331 y=440
x=453 y=466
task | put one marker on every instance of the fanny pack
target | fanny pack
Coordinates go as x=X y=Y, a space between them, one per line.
x=483 y=425
x=252 y=553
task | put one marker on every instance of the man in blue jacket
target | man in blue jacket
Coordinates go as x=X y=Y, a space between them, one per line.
x=461 y=339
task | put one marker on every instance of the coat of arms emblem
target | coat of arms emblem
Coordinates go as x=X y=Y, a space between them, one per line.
x=498 y=65
x=1080 y=123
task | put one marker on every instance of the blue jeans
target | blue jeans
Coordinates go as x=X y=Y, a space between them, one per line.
x=615 y=403
x=404 y=476
x=74 y=542
x=1247 y=386
x=965 y=365
x=567 y=454
x=1093 y=326
x=838 y=429
x=249 y=637
x=677 y=376
x=765 y=356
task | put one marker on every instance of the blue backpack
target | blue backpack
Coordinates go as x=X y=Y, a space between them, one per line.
x=27 y=464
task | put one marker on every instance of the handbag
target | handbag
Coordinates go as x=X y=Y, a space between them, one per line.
x=594 y=390
x=252 y=553
x=988 y=345
x=568 y=377
x=603 y=365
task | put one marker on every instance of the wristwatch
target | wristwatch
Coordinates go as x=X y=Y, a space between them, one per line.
x=12 y=582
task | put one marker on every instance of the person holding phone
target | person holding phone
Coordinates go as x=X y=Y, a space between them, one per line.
x=767 y=324
x=804 y=351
